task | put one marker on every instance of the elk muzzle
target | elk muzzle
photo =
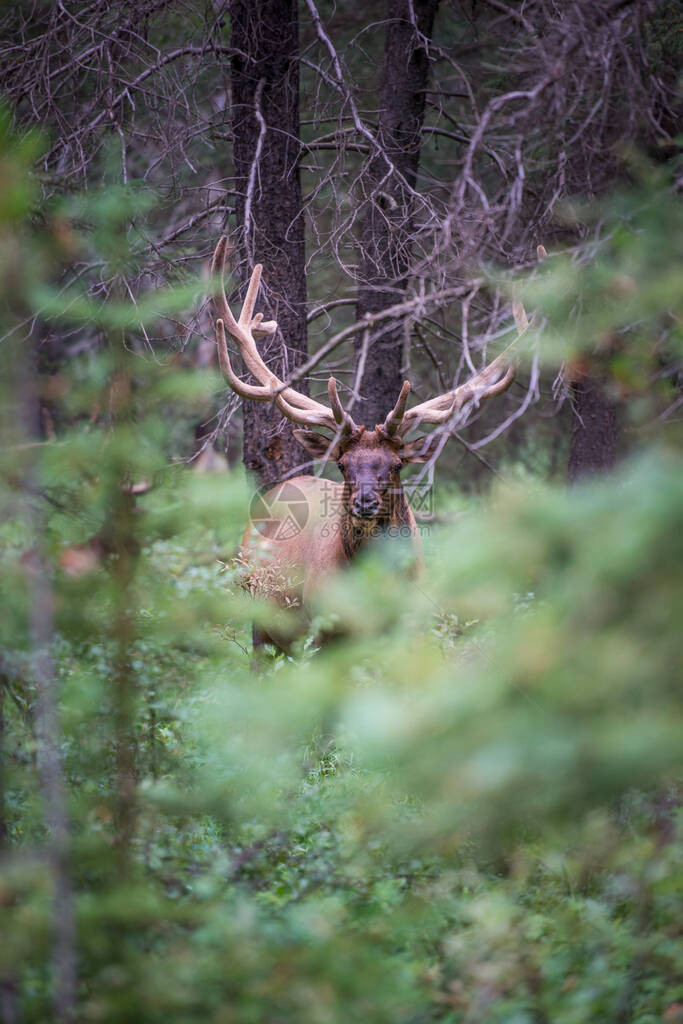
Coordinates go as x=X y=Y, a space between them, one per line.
x=365 y=503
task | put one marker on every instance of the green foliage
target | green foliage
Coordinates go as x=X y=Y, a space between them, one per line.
x=619 y=312
x=465 y=809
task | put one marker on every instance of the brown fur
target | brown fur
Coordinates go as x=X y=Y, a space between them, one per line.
x=288 y=571
x=371 y=498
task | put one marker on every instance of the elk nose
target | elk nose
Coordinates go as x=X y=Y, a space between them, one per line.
x=365 y=505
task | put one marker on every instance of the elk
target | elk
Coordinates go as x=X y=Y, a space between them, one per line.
x=339 y=519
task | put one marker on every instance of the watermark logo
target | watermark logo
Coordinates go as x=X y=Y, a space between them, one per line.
x=280 y=512
x=420 y=498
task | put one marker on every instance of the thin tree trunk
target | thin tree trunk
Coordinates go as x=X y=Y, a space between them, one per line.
x=121 y=526
x=386 y=229
x=45 y=708
x=595 y=430
x=265 y=95
x=48 y=753
x=9 y=1003
x=4 y=831
x=118 y=536
x=53 y=786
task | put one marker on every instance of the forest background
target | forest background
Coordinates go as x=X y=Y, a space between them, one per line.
x=468 y=808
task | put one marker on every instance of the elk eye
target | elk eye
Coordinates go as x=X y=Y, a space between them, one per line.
x=340 y=464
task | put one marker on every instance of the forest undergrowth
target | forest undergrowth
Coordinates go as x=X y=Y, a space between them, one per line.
x=467 y=809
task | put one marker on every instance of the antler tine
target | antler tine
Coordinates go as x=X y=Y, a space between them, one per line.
x=245 y=318
x=240 y=387
x=493 y=380
x=247 y=314
x=217 y=271
x=295 y=406
x=393 y=421
x=307 y=417
x=342 y=417
x=260 y=393
x=522 y=321
x=487 y=384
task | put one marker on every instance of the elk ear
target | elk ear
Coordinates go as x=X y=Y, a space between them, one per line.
x=316 y=445
x=422 y=449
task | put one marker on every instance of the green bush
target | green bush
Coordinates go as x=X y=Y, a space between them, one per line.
x=466 y=810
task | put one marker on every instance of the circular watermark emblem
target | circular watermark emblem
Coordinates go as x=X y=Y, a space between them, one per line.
x=280 y=512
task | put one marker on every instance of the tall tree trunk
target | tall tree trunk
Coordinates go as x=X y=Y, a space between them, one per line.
x=595 y=431
x=121 y=538
x=4 y=829
x=386 y=228
x=265 y=95
x=54 y=791
x=53 y=785
x=9 y=1003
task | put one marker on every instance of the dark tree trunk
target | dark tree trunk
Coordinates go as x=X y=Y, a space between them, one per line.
x=45 y=708
x=386 y=229
x=265 y=118
x=4 y=831
x=595 y=430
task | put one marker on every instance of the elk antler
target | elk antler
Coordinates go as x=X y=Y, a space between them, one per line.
x=493 y=380
x=292 y=404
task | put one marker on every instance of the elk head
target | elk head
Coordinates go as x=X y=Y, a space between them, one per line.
x=370 y=461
